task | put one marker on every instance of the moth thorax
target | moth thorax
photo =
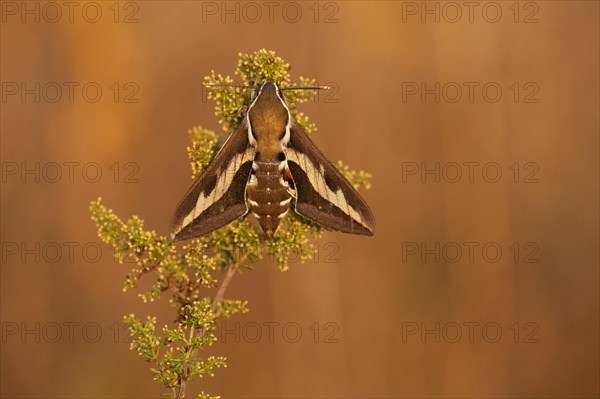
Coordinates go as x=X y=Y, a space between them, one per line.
x=267 y=195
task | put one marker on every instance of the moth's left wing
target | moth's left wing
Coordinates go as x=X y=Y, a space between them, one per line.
x=218 y=196
x=323 y=194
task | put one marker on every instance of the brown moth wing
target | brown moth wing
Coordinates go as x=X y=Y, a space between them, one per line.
x=218 y=196
x=323 y=194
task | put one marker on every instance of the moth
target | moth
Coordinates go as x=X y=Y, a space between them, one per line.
x=267 y=166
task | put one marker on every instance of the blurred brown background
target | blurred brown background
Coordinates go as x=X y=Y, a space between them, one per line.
x=403 y=323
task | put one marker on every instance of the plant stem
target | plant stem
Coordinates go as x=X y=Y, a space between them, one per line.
x=213 y=307
x=181 y=390
x=223 y=286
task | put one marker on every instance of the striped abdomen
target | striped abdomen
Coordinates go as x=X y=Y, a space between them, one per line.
x=267 y=195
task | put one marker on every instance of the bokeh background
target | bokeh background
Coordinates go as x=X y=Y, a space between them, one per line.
x=376 y=303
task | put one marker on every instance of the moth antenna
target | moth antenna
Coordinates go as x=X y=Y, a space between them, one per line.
x=213 y=84
x=307 y=88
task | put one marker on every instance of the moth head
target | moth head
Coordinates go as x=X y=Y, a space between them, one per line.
x=270 y=92
x=268 y=115
x=269 y=97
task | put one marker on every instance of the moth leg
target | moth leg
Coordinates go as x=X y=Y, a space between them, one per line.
x=241 y=111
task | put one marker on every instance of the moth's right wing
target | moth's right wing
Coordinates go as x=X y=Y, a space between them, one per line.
x=218 y=196
x=323 y=194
